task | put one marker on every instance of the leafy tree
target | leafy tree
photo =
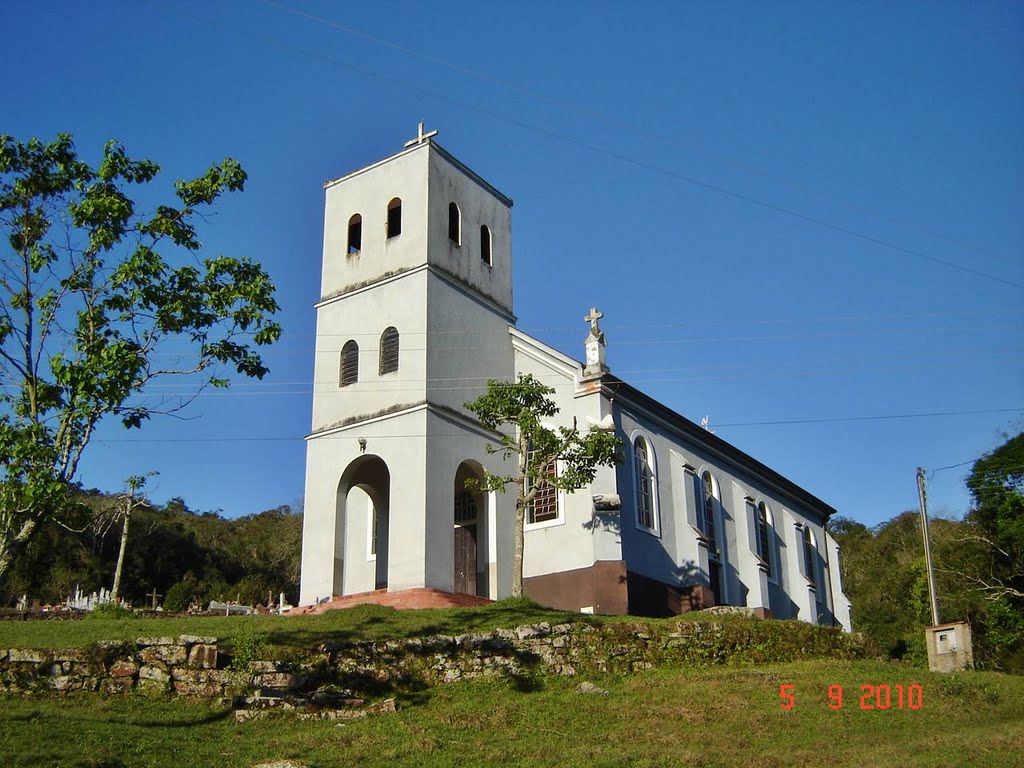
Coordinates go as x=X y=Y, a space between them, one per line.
x=978 y=568
x=184 y=555
x=521 y=405
x=92 y=295
x=180 y=595
x=996 y=484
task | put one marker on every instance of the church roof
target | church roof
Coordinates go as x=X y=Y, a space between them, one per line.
x=616 y=388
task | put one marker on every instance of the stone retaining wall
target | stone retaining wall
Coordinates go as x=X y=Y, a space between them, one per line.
x=196 y=666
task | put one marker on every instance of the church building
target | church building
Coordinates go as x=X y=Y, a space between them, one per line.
x=415 y=315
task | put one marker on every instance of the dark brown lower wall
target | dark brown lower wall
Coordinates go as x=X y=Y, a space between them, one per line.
x=649 y=597
x=601 y=586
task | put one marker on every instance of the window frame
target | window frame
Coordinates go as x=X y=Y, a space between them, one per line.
x=453 y=207
x=810 y=559
x=467 y=494
x=654 y=529
x=355 y=224
x=559 y=518
x=386 y=341
x=710 y=539
x=486 y=245
x=349 y=350
x=396 y=222
x=764 y=524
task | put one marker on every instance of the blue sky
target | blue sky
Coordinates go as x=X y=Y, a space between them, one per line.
x=765 y=200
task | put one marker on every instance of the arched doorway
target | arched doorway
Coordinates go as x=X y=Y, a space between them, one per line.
x=469 y=514
x=361 y=527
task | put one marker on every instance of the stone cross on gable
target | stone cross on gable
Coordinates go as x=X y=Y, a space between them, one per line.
x=592 y=318
x=420 y=136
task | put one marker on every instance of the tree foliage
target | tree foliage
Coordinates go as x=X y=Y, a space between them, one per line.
x=516 y=411
x=185 y=556
x=93 y=294
x=978 y=569
x=996 y=484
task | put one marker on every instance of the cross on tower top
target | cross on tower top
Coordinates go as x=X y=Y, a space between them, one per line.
x=420 y=136
x=592 y=318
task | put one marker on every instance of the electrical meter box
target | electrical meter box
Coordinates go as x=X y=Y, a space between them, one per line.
x=949 y=647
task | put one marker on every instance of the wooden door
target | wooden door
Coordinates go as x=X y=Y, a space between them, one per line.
x=465 y=559
x=715 y=573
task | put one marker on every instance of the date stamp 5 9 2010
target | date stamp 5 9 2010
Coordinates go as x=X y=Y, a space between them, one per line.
x=871 y=696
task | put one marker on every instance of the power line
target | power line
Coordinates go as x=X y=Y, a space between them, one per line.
x=692 y=180
x=867 y=418
x=951 y=466
x=462 y=434
x=605 y=118
x=695 y=339
x=554 y=379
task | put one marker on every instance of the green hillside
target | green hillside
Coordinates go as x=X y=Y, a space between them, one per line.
x=715 y=716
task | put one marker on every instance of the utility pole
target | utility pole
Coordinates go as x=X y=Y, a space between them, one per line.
x=927 y=546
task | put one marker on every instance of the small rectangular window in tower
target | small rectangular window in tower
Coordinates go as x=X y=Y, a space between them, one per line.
x=394 y=218
x=355 y=234
x=454 y=224
x=485 y=245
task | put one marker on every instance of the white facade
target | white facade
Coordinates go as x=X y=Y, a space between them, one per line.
x=392 y=443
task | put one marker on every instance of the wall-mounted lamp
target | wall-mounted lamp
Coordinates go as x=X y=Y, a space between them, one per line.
x=362 y=444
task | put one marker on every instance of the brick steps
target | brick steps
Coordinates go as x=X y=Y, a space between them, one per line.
x=420 y=597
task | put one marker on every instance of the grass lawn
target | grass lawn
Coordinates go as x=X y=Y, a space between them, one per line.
x=692 y=717
x=364 y=622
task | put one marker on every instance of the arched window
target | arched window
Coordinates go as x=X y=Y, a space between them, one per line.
x=645 y=485
x=485 y=245
x=707 y=525
x=394 y=217
x=454 y=224
x=349 y=363
x=707 y=522
x=762 y=517
x=355 y=233
x=809 y=570
x=389 y=351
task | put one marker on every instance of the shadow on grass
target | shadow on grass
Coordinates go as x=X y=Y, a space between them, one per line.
x=172 y=721
x=23 y=718
x=372 y=623
x=525 y=683
x=189 y=722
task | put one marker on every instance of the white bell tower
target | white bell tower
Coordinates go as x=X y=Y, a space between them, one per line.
x=413 y=318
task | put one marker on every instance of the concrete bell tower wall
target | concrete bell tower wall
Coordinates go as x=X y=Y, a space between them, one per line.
x=452 y=310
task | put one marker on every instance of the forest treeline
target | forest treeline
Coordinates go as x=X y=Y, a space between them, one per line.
x=184 y=555
x=201 y=556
